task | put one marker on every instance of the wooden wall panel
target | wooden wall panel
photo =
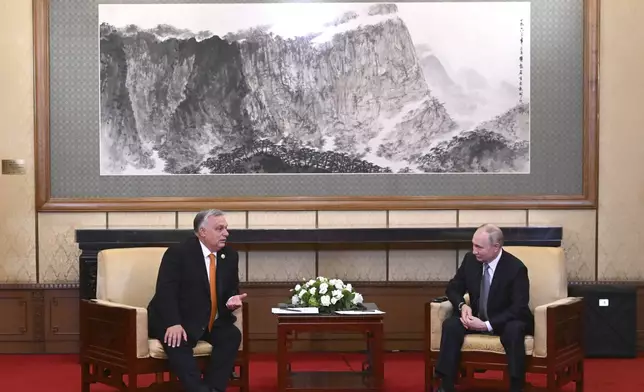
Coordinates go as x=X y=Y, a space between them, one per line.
x=21 y=321
x=16 y=323
x=640 y=319
x=61 y=322
x=38 y=318
x=44 y=318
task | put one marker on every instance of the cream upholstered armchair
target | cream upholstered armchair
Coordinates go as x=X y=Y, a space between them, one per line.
x=114 y=327
x=556 y=347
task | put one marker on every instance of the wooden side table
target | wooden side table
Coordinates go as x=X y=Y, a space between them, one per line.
x=370 y=378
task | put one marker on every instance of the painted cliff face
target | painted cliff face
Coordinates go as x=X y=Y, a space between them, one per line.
x=356 y=96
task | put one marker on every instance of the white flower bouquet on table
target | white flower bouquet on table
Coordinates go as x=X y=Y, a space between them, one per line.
x=328 y=295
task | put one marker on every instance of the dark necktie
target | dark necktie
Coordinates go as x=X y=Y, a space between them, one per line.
x=485 y=291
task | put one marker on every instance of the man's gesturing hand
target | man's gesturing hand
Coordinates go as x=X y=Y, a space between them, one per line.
x=235 y=301
x=174 y=334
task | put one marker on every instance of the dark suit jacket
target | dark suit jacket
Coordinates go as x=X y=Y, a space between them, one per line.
x=183 y=292
x=509 y=293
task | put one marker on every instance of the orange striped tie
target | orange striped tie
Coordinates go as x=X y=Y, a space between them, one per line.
x=213 y=290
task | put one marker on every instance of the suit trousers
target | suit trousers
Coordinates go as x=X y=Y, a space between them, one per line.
x=453 y=334
x=225 y=339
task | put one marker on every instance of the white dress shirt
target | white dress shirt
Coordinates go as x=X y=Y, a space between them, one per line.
x=492 y=265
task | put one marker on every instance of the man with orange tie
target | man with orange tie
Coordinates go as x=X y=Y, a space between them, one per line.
x=197 y=290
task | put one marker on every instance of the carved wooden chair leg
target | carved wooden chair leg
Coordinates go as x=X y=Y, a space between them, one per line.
x=132 y=382
x=429 y=379
x=85 y=377
x=579 y=383
x=245 y=379
x=551 y=385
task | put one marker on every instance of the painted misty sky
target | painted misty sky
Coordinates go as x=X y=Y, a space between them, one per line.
x=479 y=35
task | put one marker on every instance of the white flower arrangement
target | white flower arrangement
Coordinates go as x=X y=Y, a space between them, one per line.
x=326 y=294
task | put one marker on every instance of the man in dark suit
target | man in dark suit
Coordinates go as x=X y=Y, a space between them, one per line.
x=499 y=291
x=197 y=290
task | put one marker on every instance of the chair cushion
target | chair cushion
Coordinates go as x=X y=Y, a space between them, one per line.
x=492 y=344
x=202 y=349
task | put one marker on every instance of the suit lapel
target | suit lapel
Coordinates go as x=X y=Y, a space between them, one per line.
x=221 y=259
x=201 y=266
x=499 y=275
x=476 y=294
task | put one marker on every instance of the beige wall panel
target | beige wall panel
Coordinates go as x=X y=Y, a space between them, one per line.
x=475 y=218
x=17 y=229
x=422 y=265
x=353 y=266
x=17 y=211
x=352 y=219
x=280 y=266
x=426 y=218
x=578 y=238
x=621 y=137
x=148 y=220
x=235 y=219
x=242 y=266
x=281 y=219
x=461 y=255
x=57 y=248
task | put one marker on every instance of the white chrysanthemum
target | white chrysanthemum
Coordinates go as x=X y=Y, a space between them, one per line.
x=325 y=300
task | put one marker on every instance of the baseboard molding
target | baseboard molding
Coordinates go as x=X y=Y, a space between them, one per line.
x=43 y=318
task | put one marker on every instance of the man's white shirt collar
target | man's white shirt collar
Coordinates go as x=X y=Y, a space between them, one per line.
x=206 y=257
x=495 y=262
x=206 y=254
x=205 y=250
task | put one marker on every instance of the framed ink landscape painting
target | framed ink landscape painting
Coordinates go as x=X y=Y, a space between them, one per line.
x=314 y=88
x=317 y=105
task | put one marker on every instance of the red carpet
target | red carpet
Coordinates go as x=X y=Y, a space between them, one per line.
x=404 y=373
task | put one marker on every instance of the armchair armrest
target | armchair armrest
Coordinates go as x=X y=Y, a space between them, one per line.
x=558 y=327
x=112 y=331
x=241 y=314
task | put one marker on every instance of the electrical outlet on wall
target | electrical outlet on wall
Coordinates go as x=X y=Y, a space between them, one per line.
x=603 y=302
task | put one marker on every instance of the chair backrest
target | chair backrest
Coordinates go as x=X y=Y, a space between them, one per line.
x=546 y=270
x=128 y=275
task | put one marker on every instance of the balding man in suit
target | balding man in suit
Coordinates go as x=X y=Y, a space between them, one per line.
x=499 y=290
